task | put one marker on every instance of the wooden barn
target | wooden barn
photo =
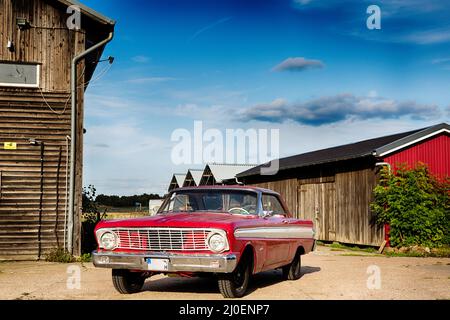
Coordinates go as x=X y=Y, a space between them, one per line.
x=41 y=121
x=193 y=177
x=177 y=181
x=334 y=186
x=218 y=173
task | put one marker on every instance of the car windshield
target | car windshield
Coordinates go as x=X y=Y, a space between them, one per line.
x=230 y=201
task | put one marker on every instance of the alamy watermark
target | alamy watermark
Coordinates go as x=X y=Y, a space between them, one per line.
x=250 y=146
x=73 y=277
x=374 y=20
x=73 y=22
x=374 y=279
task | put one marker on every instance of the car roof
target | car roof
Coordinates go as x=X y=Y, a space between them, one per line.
x=229 y=187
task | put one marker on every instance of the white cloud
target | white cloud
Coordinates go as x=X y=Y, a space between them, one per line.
x=140 y=59
x=338 y=108
x=298 y=64
x=147 y=80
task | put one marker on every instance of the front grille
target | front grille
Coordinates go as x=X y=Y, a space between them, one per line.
x=162 y=239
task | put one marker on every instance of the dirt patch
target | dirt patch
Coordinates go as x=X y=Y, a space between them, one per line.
x=326 y=275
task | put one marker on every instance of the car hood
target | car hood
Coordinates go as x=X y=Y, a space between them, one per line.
x=181 y=220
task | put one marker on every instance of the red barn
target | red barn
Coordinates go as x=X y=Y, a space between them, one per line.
x=430 y=146
x=334 y=186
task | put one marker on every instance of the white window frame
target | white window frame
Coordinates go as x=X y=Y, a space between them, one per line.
x=24 y=85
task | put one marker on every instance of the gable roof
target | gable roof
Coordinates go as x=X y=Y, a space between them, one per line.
x=412 y=139
x=373 y=147
x=222 y=172
x=91 y=13
x=179 y=178
x=196 y=174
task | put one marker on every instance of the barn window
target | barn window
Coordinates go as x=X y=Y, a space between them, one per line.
x=19 y=75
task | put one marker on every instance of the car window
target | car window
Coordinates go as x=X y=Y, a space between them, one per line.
x=271 y=205
x=229 y=201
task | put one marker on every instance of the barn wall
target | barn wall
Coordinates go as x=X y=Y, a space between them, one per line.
x=288 y=190
x=20 y=169
x=51 y=45
x=435 y=152
x=27 y=113
x=354 y=220
x=335 y=198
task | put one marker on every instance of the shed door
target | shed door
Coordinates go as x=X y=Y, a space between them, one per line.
x=317 y=202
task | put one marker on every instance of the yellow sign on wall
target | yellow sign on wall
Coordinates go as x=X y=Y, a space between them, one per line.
x=9 y=145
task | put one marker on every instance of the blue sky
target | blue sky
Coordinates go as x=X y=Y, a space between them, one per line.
x=310 y=68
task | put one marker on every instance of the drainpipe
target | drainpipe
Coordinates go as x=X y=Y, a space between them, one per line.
x=73 y=124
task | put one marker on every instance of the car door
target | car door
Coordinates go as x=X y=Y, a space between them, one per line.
x=278 y=246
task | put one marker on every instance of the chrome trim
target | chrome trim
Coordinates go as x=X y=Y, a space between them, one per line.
x=165 y=239
x=290 y=232
x=177 y=262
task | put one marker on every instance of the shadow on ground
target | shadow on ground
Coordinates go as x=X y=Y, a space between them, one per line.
x=209 y=285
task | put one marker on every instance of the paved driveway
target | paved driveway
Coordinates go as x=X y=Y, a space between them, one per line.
x=327 y=275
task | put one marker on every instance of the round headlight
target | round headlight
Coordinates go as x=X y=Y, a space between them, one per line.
x=108 y=240
x=217 y=242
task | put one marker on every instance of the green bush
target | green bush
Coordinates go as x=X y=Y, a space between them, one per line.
x=59 y=255
x=416 y=206
x=91 y=216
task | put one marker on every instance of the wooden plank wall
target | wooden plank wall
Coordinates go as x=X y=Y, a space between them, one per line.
x=51 y=44
x=288 y=190
x=354 y=221
x=351 y=185
x=24 y=114
x=20 y=218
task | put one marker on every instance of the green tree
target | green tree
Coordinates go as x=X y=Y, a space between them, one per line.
x=91 y=216
x=416 y=206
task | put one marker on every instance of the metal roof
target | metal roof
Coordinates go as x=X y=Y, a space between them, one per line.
x=179 y=178
x=228 y=187
x=372 y=147
x=89 y=12
x=411 y=139
x=196 y=175
x=223 y=172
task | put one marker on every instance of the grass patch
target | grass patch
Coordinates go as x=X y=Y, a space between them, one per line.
x=405 y=254
x=63 y=256
x=443 y=252
x=351 y=254
x=86 y=257
x=337 y=245
x=60 y=255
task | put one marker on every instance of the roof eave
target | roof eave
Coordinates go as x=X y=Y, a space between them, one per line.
x=363 y=155
x=91 y=13
x=411 y=139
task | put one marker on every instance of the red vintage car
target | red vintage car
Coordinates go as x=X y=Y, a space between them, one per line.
x=229 y=232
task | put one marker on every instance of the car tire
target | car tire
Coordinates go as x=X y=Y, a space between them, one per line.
x=293 y=271
x=235 y=285
x=127 y=282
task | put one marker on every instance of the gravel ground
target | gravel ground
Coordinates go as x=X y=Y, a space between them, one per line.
x=326 y=275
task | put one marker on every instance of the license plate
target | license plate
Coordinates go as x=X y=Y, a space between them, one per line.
x=156 y=264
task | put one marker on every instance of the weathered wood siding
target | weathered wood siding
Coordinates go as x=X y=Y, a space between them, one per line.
x=354 y=220
x=51 y=43
x=21 y=221
x=26 y=232
x=337 y=200
x=288 y=189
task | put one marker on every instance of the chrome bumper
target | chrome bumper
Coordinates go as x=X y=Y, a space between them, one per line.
x=176 y=262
